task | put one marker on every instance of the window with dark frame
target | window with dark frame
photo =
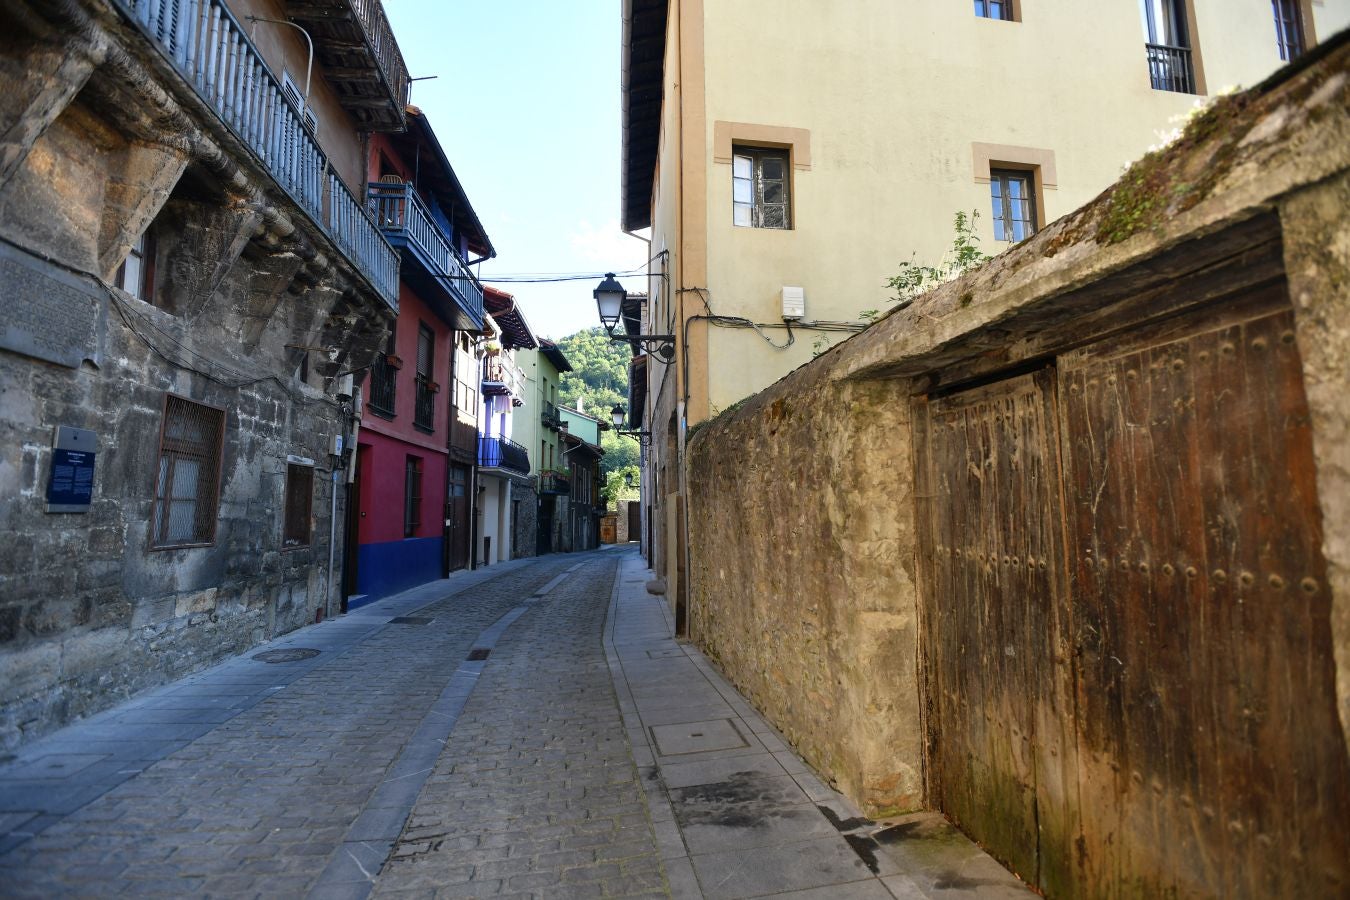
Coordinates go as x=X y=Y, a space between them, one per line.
x=188 y=479
x=760 y=188
x=412 y=496
x=1014 y=198
x=994 y=9
x=299 y=502
x=1167 y=45
x=384 y=382
x=424 y=399
x=136 y=275
x=1288 y=29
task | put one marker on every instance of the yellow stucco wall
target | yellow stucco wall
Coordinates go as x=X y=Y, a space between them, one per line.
x=893 y=96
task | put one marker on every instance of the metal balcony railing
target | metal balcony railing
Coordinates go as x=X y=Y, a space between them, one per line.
x=383 y=386
x=554 y=483
x=1169 y=68
x=550 y=417
x=500 y=453
x=424 y=404
x=208 y=47
x=399 y=211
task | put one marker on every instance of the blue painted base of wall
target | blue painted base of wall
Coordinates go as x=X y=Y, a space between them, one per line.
x=384 y=569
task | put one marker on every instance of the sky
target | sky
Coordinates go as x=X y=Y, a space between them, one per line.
x=526 y=107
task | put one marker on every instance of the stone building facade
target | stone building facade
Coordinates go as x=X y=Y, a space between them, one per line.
x=186 y=284
x=1062 y=548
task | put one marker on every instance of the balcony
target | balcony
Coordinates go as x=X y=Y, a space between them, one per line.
x=554 y=483
x=550 y=418
x=439 y=273
x=500 y=453
x=501 y=376
x=205 y=44
x=360 y=58
x=1169 y=68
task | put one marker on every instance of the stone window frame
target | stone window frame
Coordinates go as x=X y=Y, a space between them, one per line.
x=1039 y=161
x=208 y=453
x=297 y=531
x=728 y=137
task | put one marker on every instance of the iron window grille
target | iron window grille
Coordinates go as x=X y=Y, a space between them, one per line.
x=1288 y=29
x=383 y=386
x=760 y=189
x=994 y=9
x=1014 y=198
x=187 y=482
x=1167 y=46
x=412 y=496
x=296 y=529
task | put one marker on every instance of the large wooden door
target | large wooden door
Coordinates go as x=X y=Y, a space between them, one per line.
x=1212 y=760
x=457 y=515
x=1153 y=712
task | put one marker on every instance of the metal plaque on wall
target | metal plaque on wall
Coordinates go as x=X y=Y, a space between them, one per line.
x=70 y=483
x=49 y=313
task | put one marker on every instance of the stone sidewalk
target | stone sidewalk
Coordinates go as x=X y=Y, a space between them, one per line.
x=528 y=730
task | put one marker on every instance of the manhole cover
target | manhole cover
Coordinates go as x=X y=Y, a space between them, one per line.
x=409 y=620
x=478 y=653
x=291 y=654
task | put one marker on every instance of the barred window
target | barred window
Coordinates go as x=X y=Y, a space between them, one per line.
x=759 y=188
x=412 y=496
x=188 y=482
x=299 y=502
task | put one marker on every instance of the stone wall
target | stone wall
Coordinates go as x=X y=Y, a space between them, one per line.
x=801 y=499
x=246 y=288
x=524 y=518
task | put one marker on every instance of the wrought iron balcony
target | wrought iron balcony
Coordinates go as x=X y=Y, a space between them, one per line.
x=550 y=417
x=383 y=385
x=360 y=57
x=500 y=453
x=1169 y=68
x=554 y=483
x=408 y=224
x=206 y=45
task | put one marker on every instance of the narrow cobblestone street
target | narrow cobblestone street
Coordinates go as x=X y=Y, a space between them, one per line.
x=525 y=730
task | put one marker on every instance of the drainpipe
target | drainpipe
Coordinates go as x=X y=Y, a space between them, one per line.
x=332 y=534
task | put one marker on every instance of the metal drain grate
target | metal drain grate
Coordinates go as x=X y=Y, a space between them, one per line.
x=410 y=620
x=478 y=653
x=290 y=654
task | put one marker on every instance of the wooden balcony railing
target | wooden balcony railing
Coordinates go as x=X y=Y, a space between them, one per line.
x=208 y=47
x=402 y=214
x=1169 y=68
x=501 y=376
x=380 y=39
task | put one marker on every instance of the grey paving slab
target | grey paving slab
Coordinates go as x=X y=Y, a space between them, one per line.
x=778 y=869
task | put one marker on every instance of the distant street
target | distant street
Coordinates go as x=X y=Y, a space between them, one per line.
x=482 y=736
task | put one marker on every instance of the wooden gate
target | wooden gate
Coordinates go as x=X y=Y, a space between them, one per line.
x=1153 y=714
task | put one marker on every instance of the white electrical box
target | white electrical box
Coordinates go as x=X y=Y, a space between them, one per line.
x=794 y=302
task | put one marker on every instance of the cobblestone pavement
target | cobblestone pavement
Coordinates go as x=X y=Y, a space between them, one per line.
x=530 y=730
x=538 y=792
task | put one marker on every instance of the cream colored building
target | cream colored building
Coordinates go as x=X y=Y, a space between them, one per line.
x=844 y=136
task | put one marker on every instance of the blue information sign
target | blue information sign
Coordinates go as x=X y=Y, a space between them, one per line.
x=70 y=486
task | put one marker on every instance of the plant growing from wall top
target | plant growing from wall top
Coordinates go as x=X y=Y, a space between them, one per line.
x=913 y=279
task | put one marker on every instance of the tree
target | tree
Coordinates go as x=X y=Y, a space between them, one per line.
x=599 y=379
x=616 y=487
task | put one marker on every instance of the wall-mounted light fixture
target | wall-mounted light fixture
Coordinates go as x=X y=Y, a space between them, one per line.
x=617 y=416
x=609 y=296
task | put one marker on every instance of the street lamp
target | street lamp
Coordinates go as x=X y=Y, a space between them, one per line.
x=628 y=480
x=616 y=415
x=609 y=296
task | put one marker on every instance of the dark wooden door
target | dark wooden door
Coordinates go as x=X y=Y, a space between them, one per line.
x=457 y=514
x=634 y=521
x=351 y=546
x=997 y=685
x=1212 y=760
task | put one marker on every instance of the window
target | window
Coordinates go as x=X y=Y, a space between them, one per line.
x=759 y=188
x=136 y=275
x=1288 y=29
x=1167 y=45
x=412 y=496
x=1014 y=198
x=187 y=483
x=994 y=9
x=424 y=405
x=299 y=501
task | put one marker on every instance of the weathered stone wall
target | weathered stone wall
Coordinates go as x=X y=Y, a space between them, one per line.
x=524 y=519
x=801 y=517
x=99 y=148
